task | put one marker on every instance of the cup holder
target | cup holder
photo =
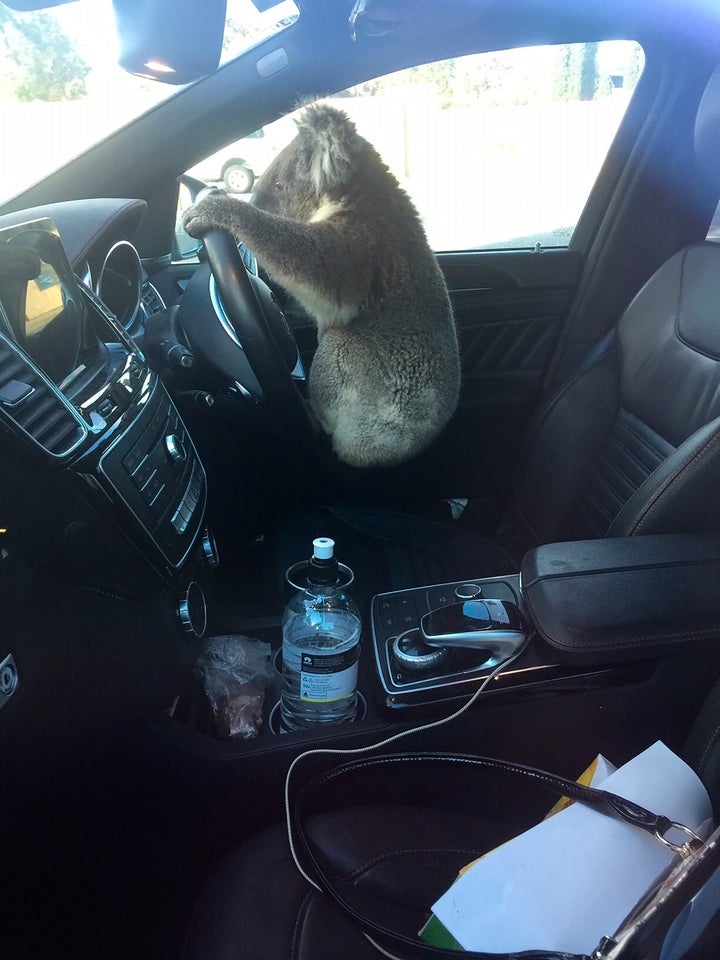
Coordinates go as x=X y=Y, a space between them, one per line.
x=274 y=726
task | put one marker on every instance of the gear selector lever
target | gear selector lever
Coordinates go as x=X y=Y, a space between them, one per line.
x=496 y=626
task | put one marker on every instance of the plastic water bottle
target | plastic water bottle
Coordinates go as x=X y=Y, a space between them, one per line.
x=321 y=646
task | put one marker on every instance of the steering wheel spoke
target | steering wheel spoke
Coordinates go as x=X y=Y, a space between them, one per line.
x=247 y=339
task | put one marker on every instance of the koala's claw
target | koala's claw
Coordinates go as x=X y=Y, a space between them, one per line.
x=206 y=215
x=191 y=225
x=195 y=223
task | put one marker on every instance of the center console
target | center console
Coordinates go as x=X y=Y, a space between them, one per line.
x=413 y=673
x=589 y=606
x=154 y=470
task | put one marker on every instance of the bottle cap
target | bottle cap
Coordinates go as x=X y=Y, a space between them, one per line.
x=323 y=548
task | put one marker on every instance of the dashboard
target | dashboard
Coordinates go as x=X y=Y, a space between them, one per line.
x=103 y=535
x=76 y=388
x=124 y=289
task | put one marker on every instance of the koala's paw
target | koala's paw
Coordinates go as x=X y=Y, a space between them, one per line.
x=215 y=211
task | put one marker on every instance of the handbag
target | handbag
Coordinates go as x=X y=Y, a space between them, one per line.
x=647 y=922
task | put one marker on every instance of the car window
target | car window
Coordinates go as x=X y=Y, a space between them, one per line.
x=498 y=150
x=237 y=166
x=501 y=149
x=62 y=88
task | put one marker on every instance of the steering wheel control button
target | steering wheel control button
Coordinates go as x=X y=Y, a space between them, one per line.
x=175 y=449
x=179 y=357
x=468 y=591
x=9 y=679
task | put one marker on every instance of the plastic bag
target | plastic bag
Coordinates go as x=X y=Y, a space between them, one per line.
x=235 y=672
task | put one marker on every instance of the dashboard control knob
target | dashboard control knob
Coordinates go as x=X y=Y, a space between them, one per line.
x=468 y=591
x=8 y=677
x=209 y=549
x=192 y=610
x=412 y=653
x=175 y=448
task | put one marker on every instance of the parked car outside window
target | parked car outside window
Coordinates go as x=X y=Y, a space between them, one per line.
x=237 y=166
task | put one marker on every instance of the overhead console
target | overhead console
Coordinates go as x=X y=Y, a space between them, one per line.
x=76 y=390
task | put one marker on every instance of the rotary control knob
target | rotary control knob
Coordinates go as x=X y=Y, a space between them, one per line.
x=411 y=653
x=175 y=448
x=468 y=591
x=192 y=610
x=209 y=549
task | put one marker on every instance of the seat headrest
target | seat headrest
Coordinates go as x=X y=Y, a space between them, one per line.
x=707 y=130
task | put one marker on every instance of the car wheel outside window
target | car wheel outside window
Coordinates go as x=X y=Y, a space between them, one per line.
x=238 y=178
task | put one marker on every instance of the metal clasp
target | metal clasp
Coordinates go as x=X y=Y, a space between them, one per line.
x=684 y=849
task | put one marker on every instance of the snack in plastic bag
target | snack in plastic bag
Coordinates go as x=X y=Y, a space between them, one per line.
x=235 y=672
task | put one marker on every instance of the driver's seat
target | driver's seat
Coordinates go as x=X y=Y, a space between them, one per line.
x=629 y=445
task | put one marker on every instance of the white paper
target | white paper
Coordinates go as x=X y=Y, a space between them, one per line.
x=572 y=879
x=602 y=771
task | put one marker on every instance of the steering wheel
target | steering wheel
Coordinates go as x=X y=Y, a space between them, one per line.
x=250 y=329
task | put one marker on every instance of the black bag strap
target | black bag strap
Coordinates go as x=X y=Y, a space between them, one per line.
x=409 y=948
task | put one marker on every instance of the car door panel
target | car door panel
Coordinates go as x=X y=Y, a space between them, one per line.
x=509 y=309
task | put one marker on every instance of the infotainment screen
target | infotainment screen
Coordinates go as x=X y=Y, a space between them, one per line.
x=41 y=298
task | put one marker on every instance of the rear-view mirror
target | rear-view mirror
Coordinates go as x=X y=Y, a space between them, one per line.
x=175 y=41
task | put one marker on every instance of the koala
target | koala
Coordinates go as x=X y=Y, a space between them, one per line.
x=330 y=223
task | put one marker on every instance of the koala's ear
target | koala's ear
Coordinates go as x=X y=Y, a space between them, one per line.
x=329 y=142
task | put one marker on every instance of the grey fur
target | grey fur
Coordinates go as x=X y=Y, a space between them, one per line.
x=331 y=224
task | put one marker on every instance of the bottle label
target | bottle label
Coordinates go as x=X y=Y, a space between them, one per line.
x=328 y=677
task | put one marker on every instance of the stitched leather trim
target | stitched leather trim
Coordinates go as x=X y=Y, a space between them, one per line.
x=630 y=454
x=691 y=462
x=639 y=640
x=299 y=922
x=708 y=749
x=619 y=568
x=678 y=318
x=607 y=348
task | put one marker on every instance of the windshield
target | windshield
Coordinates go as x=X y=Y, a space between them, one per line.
x=61 y=88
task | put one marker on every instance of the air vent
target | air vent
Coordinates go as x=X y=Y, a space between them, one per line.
x=151 y=300
x=30 y=403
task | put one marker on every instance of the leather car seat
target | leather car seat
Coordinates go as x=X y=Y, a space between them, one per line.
x=257 y=906
x=629 y=445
